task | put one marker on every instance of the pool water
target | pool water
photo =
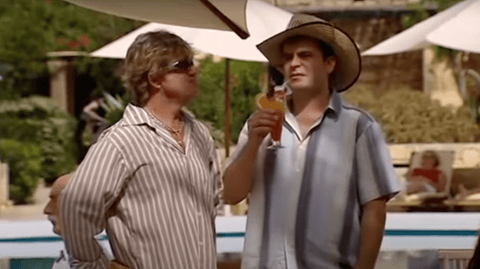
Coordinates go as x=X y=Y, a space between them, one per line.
x=33 y=263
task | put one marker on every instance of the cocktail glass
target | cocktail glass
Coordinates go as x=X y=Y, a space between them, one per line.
x=279 y=109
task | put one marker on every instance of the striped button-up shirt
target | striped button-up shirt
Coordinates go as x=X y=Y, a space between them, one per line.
x=62 y=261
x=156 y=201
x=306 y=199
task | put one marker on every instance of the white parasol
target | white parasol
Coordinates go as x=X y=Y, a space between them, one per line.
x=263 y=19
x=455 y=27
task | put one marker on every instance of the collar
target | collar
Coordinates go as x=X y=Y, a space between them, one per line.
x=135 y=115
x=334 y=103
x=333 y=109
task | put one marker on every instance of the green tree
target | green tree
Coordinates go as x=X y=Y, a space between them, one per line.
x=441 y=4
x=31 y=28
x=25 y=167
x=37 y=143
x=209 y=105
x=420 y=10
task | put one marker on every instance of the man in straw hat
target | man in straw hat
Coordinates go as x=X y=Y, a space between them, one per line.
x=319 y=200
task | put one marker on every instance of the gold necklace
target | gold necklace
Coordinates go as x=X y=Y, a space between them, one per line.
x=176 y=134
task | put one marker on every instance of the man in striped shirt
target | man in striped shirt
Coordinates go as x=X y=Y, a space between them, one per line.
x=319 y=200
x=152 y=179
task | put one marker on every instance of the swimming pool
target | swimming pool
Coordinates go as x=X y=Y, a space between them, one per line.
x=29 y=244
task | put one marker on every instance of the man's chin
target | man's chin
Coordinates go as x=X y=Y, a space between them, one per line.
x=298 y=84
x=57 y=231
x=55 y=227
x=298 y=87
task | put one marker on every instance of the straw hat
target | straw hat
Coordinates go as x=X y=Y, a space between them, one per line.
x=347 y=68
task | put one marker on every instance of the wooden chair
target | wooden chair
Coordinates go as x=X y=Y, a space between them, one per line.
x=469 y=177
x=455 y=259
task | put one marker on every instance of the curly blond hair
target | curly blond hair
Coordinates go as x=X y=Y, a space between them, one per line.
x=149 y=56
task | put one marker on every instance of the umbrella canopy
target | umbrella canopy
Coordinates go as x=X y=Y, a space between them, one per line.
x=455 y=28
x=210 y=14
x=462 y=31
x=263 y=19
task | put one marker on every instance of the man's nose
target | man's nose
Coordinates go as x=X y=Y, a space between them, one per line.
x=48 y=208
x=192 y=70
x=295 y=60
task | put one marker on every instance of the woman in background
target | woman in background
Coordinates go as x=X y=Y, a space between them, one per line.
x=427 y=178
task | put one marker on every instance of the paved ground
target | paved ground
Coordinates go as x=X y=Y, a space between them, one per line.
x=32 y=211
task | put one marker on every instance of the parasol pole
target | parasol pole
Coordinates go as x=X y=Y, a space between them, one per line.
x=227 y=108
x=234 y=27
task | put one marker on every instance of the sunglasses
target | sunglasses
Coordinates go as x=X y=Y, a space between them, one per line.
x=183 y=65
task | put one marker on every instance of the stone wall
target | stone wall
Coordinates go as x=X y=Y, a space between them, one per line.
x=368 y=29
x=383 y=72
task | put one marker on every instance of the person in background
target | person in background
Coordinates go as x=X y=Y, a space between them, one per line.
x=474 y=262
x=319 y=200
x=151 y=180
x=463 y=192
x=427 y=178
x=53 y=213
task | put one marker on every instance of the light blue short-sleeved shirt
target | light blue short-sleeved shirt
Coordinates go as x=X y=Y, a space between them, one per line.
x=306 y=199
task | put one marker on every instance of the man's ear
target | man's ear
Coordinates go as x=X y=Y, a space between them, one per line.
x=154 y=81
x=330 y=63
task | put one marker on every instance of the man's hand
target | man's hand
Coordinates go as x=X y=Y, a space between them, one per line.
x=238 y=177
x=261 y=124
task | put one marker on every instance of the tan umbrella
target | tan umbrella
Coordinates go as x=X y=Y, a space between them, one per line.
x=226 y=15
x=263 y=19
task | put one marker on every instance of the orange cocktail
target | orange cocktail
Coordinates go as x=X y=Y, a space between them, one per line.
x=263 y=101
